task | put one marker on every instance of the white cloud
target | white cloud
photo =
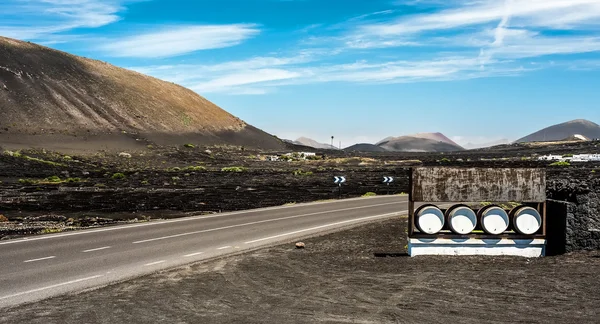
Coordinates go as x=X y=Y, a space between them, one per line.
x=177 y=40
x=524 y=12
x=237 y=79
x=36 y=19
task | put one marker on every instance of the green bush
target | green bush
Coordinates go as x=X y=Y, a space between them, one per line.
x=118 y=176
x=234 y=169
x=73 y=180
x=369 y=194
x=26 y=181
x=189 y=145
x=53 y=179
x=301 y=172
x=445 y=160
x=144 y=182
x=195 y=168
x=560 y=163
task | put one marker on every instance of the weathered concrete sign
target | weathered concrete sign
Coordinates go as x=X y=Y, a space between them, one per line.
x=445 y=184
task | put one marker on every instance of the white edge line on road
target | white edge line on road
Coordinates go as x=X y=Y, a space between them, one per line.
x=324 y=226
x=257 y=222
x=192 y=254
x=154 y=263
x=97 y=249
x=50 y=287
x=224 y=247
x=40 y=259
x=189 y=218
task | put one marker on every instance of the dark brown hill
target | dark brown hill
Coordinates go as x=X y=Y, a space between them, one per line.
x=60 y=101
x=562 y=131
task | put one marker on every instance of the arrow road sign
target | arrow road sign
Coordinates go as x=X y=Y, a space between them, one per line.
x=388 y=179
x=339 y=180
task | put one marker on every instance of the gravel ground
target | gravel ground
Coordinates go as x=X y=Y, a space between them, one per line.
x=341 y=278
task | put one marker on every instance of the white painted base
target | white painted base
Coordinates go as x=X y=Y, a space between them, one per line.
x=532 y=248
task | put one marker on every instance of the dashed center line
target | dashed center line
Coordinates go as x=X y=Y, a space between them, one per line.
x=97 y=249
x=321 y=227
x=154 y=263
x=40 y=259
x=224 y=247
x=258 y=222
x=192 y=254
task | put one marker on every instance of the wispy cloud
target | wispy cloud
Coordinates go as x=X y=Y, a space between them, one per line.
x=177 y=40
x=37 y=19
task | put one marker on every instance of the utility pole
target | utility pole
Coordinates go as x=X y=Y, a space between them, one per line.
x=332 y=141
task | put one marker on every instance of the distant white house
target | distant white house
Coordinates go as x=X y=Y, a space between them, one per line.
x=574 y=158
x=551 y=157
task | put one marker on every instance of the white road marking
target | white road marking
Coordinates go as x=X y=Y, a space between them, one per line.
x=190 y=218
x=224 y=247
x=324 y=226
x=50 y=287
x=257 y=222
x=154 y=263
x=97 y=249
x=40 y=259
x=192 y=254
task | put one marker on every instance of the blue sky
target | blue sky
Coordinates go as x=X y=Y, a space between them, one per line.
x=475 y=70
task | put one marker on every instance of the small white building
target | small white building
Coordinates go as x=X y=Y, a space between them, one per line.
x=551 y=157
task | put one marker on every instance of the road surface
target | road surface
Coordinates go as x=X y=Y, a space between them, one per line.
x=35 y=268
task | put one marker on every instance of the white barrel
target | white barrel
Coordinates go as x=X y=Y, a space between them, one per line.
x=526 y=220
x=494 y=220
x=429 y=219
x=461 y=219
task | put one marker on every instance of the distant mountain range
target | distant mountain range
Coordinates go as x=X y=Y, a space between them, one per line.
x=564 y=131
x=304 y=141
x=471 y=146
x=575 y=130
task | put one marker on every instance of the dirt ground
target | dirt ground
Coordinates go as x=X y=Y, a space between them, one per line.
x=342 y=278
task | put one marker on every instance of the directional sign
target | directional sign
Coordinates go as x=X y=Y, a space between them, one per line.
x=339 y=180
x=388 y=180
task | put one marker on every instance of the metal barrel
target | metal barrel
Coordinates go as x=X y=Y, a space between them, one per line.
x=493 y=219
x=461 y=219
x=526 y=220
x=429 y=219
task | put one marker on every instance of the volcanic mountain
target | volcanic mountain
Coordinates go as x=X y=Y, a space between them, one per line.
x=563 y=131
x=364 y=147
x=312 y=143
x=56 y=100
x=421 y=142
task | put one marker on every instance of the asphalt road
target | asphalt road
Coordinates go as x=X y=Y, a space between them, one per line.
x=35 y=268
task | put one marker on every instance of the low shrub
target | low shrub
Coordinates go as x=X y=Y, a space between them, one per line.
x=560 y=163
x=234 y=169
x=195 y=168
x=301 y=172
x=3 y=219
x=118 y=176
x=26 y=181
x=369 y=194
x=53 y=179
x=444 y=160
x=189 y=145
